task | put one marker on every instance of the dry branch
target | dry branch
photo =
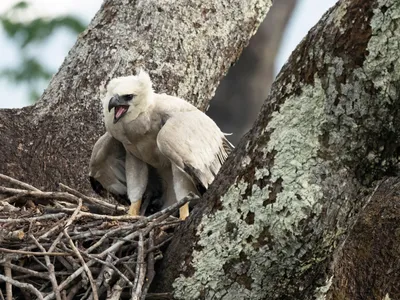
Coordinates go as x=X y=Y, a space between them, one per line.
x=69 y=252
x=25 y=286
x=7 y=272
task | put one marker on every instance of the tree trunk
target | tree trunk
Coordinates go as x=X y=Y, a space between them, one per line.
x=186 y=46
x=240 y=95
x=367 y=264
x=280 y=221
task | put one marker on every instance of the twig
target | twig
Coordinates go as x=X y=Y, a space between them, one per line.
x=110 y=265
x=12 y=199
x=99 y=216
x=50 y=268
x=26 y=271
x=92 y=200
x=110 y=218
x=94 y=233
x=74 y=290
x=12 y=190
x=102 y=239
x=39 y=262
x=124 y=259
x=8 y=273
x=33 y=219
x=19 y=183
x=116 y=291
x=67 y=223
x=1 y=295
x=4 y=250
x=64 y=295
x=113 y=248
x=65 y=263
x=43 y=195
x=128 y=267
x=85 y=266
x=56 y=227
x=100 y=277
x=88 y=225
x=118 y=287
x=150 y=267
x=170 y=209
x=140 y=271
x=159 y=245
x=26 y=286
x=164 y=227
x=69 y=279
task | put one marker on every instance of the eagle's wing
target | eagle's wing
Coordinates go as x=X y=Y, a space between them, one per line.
x=107 y=166
x=195 y=144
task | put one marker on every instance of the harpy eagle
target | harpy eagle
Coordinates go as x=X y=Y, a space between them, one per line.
x=146 y=130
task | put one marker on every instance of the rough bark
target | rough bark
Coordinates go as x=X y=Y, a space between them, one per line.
x=368 y=262
x=187 y=46
x=273 y=220
x=241 y=93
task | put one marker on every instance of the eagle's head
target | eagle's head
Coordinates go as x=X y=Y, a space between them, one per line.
x=128 y=95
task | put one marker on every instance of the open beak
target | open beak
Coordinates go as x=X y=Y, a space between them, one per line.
x=120 y=107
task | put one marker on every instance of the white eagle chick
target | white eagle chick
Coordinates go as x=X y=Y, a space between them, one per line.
x=182 y=143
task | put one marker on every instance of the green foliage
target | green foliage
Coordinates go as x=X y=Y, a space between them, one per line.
x=30 y=33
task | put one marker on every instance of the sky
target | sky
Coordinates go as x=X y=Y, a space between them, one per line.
x=306 y=15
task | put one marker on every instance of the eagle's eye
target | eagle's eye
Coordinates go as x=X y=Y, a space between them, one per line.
x=129 y=97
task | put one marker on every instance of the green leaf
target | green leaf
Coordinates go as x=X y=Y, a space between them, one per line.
x=33 y=32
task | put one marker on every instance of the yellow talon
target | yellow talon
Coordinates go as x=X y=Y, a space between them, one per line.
x=134 y=209
x=184 y=211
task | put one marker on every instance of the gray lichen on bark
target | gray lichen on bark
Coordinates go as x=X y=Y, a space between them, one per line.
x=296 y=165
x=328 y=129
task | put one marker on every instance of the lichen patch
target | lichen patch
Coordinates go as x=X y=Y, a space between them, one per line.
x=263 y=230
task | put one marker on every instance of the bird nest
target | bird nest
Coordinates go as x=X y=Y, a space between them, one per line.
x=52 y=246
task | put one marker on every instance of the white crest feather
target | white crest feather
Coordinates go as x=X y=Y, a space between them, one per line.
x=144 y=81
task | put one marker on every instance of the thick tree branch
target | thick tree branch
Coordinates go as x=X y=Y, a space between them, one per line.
x=280 y=206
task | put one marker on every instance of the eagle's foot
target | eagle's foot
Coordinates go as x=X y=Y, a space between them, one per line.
x=184 y=211
x=134 y=209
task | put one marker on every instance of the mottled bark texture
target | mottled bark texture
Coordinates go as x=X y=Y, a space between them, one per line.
x=368 y=262
x=281 y=219
x=187 y=47
x=241 y=93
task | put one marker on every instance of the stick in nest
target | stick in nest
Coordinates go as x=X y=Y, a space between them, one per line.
x=150 y=266
x=67 y=223
x=87 y=270
x=26 y=286
x=110 y=207
x=19 y=183
x=50 y=268
x=86 y=244
x=26 y=271
x=32 y=253
x=7 y=272
x=140 y=271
